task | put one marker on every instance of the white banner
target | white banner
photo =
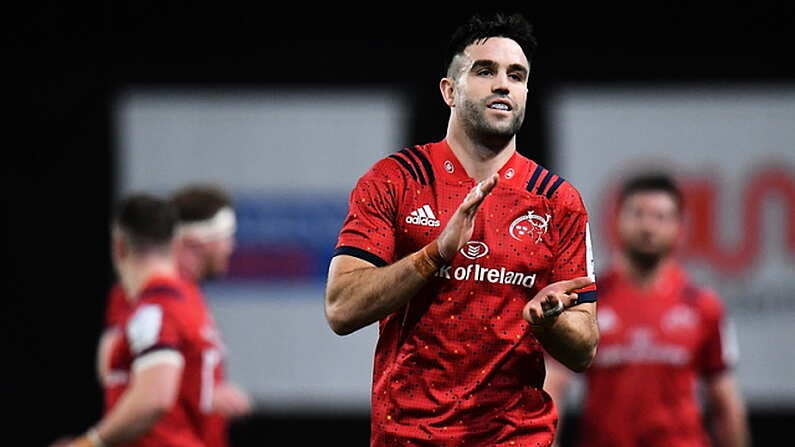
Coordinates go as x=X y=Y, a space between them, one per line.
x=733 y=150
x=290 y=160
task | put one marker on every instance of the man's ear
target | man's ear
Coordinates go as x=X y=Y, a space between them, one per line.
x=447 y=88
x=120 y=248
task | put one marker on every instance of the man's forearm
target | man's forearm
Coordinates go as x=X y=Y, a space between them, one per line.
x=730 y=426
x=128 y=420
x=731 y=431
x=571 y=339
x=365 y=295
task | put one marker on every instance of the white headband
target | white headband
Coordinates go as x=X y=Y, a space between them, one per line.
x=222 y=224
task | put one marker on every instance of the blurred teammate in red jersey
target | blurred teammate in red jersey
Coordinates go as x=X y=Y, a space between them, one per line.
x=204 y=244
x=166 y=344
x=472 y=258
x=659 y=333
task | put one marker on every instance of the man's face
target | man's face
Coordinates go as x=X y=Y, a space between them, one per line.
x=649 y=224
x=216 y=254
x=491 y=87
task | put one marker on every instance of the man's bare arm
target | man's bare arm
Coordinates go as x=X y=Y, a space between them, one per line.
x=727 y=411
x=570 y=337
x=358 y=293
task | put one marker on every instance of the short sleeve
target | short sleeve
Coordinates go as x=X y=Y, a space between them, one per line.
x=117 y=307
x=368 y=231
x=719 y=349
x=151 y=328
x=574 y=251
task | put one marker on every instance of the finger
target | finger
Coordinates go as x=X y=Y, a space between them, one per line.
x=533 y=313
x=478 y=193
x=570 y=299
x=570 y=284
x=554 y=311
x=487 y=185
x=549 y=302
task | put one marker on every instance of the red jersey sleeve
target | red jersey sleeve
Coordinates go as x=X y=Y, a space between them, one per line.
x=117 y=307
x=574 y=253
x=719 y=349
x=152 y=327
x=368 y=231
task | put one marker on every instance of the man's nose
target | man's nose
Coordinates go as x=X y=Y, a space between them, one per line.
x=500 y=84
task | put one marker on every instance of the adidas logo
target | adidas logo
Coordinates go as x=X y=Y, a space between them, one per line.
x=423 y=216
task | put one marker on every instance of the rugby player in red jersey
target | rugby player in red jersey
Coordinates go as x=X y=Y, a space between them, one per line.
x=165 y=347
x=660 y=332
x=473 y=259
x=204 y=244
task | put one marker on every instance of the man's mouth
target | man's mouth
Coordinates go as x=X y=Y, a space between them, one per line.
x=504 y=106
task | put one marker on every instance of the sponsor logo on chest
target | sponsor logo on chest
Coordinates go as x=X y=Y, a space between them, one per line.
x=640 y=345
x=479 y=273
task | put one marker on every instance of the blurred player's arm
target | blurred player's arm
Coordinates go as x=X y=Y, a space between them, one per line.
x=727 y=411
x=106 y=341
x=358 y=293
x=556 y=385
x=719 y=355
x=153 y=390
x=230 y=400
x=572 y=335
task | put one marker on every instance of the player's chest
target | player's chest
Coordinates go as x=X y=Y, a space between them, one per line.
x=512 y=229
x=648 y=331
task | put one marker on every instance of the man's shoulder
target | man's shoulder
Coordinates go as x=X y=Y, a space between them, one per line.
x=409 y=164
x=171 y=293
x=554 y=187
x=702 y=297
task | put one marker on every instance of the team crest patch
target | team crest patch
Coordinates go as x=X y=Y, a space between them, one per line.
x=530 y=226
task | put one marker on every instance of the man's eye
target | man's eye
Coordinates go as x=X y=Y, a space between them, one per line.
x=484 y=72
x=516 y=77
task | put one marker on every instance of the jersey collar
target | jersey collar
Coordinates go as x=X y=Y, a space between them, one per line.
x=670 y=278
x=447 y=166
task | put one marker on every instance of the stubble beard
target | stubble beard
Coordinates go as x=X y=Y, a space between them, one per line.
x=646 y=260
x=485 y=133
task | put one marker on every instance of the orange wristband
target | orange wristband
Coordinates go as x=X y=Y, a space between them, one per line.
x=428 y=260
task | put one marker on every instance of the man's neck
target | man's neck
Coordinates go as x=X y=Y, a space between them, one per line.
x=141 y=271
x=644 y=275
x=479 y=161
x=188 y=262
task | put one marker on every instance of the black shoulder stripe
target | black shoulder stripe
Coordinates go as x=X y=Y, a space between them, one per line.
x=161 y=291
x=157 y=347
x=554 y=187
x=416 y=165
x=405 y=165
x=534 y=178
x=544 y=182
x=425 y=163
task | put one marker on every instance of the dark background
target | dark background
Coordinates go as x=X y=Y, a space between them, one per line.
x=65 y=64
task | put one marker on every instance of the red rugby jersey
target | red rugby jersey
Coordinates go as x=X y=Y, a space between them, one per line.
x=117 y=307
x=458 y=365
x=654 y=343
x=170 y=314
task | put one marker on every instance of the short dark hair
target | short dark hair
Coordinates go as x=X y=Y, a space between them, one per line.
x=148 y=222
x=199 y=201
x=652 y=182
x=479 y=27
